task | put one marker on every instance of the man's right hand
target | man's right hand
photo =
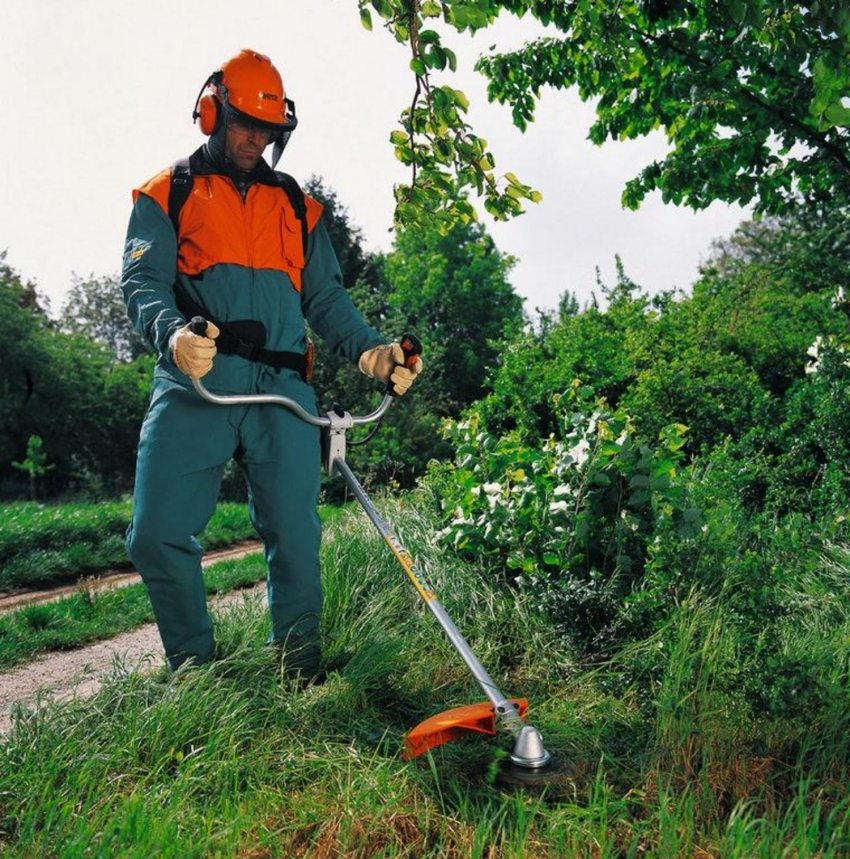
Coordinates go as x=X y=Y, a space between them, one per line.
x=192 y=353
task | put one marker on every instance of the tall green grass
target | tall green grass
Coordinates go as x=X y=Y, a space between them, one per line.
x=233 y=760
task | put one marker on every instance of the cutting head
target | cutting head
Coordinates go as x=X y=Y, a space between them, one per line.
x=557 y=775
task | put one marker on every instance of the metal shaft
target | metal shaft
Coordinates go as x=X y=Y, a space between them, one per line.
x=506 y=713
x=335 y=424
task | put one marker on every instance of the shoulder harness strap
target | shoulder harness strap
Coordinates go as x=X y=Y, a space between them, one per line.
x=178 y=193
x=181 y=187
x=244 y=338
x=296 y=199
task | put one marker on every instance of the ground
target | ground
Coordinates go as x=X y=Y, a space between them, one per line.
x=61 y=675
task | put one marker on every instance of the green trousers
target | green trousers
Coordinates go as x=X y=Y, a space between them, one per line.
x=184 y=446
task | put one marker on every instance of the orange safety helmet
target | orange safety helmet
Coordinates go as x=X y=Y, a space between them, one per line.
x=249 y=87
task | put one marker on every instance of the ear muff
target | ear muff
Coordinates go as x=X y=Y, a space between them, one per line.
x=208 y=104
x=209 y=110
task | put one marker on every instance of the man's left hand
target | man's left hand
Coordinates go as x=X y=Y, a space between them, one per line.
x=386 y=363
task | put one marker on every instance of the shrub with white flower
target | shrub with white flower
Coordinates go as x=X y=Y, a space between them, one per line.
x=822 y=346
x=574 y=516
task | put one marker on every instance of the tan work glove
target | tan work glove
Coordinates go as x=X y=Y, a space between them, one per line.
x=192 y=353
x=386 y=363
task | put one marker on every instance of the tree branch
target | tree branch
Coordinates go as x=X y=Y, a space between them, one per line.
x=811 y=136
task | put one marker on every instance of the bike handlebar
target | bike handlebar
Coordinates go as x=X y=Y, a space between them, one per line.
x=296 y=408
x=411 y=348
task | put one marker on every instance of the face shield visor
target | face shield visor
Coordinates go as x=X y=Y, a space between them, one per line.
x=266 y=132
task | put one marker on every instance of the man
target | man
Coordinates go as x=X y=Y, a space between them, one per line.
x=225 y=237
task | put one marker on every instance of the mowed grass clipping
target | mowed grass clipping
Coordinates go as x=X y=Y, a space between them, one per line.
x=233 y=760
x=90 y=614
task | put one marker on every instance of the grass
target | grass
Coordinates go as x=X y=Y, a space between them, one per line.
x=42 y=545
x=90 y=615
x=232 y=760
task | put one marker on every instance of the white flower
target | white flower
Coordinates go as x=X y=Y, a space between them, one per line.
x=562 y=490
x=579 y=452
x=814 y=353
x=814 y=349
x=559 y=507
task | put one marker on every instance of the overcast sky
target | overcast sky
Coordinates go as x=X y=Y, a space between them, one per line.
x=97 y=98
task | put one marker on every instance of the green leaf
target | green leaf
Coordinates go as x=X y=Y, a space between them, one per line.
x=639 y=498
x=737 y=10
x=459 y=16
x=837 y=114
x=427 y=37
x=437 y=57
x=460 y=99
x=658 y=484
x=418 y=67
x=366 y=18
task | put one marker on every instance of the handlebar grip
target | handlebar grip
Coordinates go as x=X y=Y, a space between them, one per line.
x=198 y=325
x=412 y=349
x=411 y=346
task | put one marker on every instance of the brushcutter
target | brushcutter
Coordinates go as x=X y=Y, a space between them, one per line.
x=530 y=762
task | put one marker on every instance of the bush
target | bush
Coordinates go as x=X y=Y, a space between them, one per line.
x=573 y=518
x=716 y=395
x=768 y=582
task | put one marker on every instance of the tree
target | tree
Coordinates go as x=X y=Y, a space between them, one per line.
x=21 y=317
x=35 y=464
x=95 y=308
x=453 y=290
x=750 y=96
x=728 y=360
x=68 y=390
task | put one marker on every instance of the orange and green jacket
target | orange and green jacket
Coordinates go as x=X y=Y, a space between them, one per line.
x=242 y=260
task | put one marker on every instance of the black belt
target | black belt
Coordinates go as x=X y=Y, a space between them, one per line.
x=246 y=338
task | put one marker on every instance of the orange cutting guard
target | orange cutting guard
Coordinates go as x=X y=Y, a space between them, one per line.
x=455 y=723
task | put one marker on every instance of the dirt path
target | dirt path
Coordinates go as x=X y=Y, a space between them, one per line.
x=62 y=675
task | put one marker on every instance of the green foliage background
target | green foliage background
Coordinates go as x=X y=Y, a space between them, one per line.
x=640 y=454
x=750 y=95
x=652 y=489
x=81 y=382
